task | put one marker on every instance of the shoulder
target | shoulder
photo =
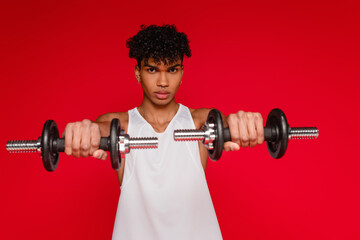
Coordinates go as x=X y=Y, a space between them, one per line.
x=199 y=116
x=107 y=117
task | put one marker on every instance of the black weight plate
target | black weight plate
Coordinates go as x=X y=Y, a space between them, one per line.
x=215 y=117
x=115 y=157
x=277 y=119
x=50 y=132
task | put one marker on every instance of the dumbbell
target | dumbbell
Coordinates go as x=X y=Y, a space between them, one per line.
x=50 y=145
x=277 y=133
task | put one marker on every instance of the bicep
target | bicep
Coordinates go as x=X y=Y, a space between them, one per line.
x=104 y=121
x=199 y=116
x=107 y=117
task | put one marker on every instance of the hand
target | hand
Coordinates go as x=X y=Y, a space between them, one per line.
x=83 y=139
x=246 y=129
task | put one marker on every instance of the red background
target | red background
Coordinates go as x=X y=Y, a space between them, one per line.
x=67 y=61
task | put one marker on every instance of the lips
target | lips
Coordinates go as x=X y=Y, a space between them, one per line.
x=162 y=95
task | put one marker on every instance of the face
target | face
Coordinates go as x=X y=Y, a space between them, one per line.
x=160 y=82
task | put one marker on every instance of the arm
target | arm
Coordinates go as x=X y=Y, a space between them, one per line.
x=104 y=122
x=246 y=129
x=199 y=117
x=82 y=139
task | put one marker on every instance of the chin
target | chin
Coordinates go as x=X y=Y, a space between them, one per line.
x=163 y=102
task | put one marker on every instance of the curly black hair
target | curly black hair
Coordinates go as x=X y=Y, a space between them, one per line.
x=162 y=43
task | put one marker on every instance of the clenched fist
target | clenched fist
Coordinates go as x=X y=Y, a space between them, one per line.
x=246 y=129
x=82 y=139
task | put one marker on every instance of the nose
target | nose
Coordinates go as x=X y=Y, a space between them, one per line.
x=162 y=80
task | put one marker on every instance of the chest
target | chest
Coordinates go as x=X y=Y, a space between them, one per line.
x=159 y=127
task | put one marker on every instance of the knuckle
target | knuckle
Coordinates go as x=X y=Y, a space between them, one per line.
x=85 y=147
x=253 y=139
x=244 y=139
x=240 y=113
x=95 y=143
x=257 y=115
x=250 y=114
x=231 y=117
x=86 y=121
x=94 y=126
x=75 y=148
x=69 y=126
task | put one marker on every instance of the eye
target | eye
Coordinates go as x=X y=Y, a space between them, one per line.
x=151 y=70
x=173 y=70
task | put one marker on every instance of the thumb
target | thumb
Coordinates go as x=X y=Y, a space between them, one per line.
x=100 y=154
x=231 y=146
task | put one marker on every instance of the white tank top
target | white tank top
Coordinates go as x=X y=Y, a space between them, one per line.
x=164 y=194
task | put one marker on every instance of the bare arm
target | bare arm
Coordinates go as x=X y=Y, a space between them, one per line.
x=104 y=124
x=199 y=117
x=246 y=129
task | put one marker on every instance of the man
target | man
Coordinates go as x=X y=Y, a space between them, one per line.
x=164 y=194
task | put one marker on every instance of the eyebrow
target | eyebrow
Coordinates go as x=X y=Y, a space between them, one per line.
x=148 y=65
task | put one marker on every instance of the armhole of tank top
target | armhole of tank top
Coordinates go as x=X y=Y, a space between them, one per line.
x=197 y=162
x=129 y=175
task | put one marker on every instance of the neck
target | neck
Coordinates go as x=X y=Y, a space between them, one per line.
x=155 y=114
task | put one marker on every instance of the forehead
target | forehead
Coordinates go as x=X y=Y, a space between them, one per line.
x=152 y=62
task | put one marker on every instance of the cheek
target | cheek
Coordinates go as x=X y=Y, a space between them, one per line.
x=146 y=87
x=176 y=79
x=149 y=87
x=176 y=86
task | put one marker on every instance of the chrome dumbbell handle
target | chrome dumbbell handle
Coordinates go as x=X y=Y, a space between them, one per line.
x=303 y=133
x=20 y=146
x=125 y=144
x=269 y=134
x=143 y=143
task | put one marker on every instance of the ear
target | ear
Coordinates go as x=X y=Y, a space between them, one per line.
x=137 y=73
